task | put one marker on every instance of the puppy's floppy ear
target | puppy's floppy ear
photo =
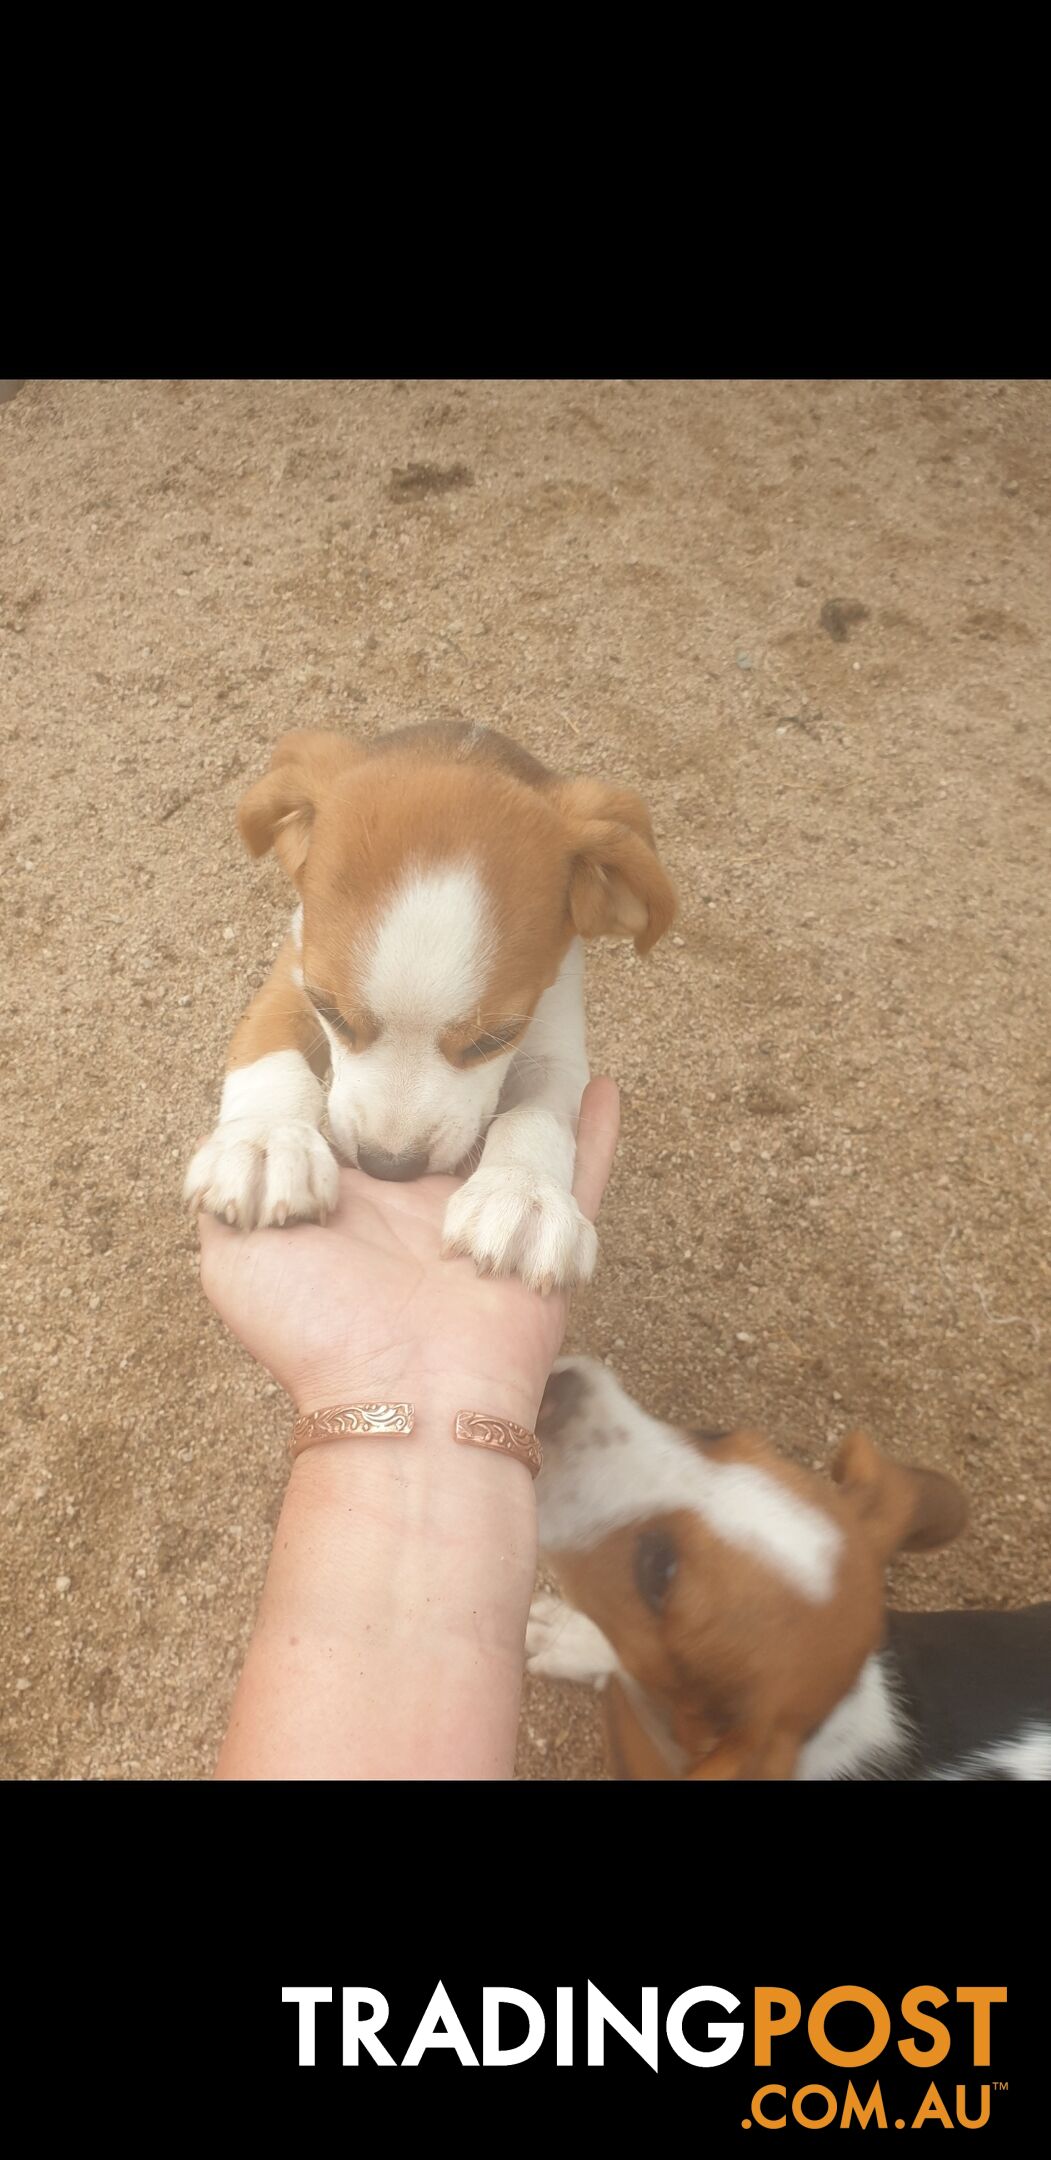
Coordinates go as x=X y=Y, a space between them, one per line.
x=900 y=1509
x=279 y=810
x=617 y=885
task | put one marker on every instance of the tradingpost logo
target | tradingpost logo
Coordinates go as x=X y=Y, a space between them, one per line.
x=935 y=2044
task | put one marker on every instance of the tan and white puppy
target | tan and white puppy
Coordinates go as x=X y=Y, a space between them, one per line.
x=434 y=974
x=730 y=1604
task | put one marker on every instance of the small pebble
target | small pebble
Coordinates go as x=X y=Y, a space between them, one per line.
x=744 y=660
x=229 y=935
x=62 y=1584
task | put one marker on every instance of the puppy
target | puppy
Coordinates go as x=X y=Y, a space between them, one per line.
x=732 y=1607
x=434 y=971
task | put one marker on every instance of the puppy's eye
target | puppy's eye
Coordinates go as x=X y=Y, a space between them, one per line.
x=486 y=1046
x=656 y=1561
x=331 y=1013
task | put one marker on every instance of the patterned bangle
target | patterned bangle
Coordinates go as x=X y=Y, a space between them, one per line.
x=473 y=1428
x=396 y=1417
x=476 y=1429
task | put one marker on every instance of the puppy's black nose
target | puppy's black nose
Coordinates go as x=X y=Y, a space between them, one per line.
x=376 y=1162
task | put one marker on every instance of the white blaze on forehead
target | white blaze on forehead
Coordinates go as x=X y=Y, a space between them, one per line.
x=429 y=954
x=613 y=1465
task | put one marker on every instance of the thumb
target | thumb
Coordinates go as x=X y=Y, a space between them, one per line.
x=596 y=1144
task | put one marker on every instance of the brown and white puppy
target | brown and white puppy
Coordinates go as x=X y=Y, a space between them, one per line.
x=732 y=1606
x=434 y=970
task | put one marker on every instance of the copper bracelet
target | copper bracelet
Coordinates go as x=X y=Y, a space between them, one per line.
x=475 y=1428
x=388 y=1417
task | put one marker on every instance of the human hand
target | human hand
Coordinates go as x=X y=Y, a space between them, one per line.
x=366 y=1309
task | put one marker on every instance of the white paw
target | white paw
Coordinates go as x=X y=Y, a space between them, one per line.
x=511 y=1222
x=562 y=1644
x=251 y=1173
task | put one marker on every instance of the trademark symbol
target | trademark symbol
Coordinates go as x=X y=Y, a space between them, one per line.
x=999 y=2084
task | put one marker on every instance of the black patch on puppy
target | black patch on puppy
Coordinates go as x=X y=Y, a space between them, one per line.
x=971 y=1680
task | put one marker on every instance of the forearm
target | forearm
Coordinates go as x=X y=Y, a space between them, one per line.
x=389 y=1641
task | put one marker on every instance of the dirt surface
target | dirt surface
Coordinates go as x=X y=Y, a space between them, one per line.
x=810 y=622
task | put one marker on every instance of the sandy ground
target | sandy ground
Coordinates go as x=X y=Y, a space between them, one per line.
x=831 y=1200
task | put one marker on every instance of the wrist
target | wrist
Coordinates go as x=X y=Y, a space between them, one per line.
x=435 y=1397
x=413 y=1524
x=425 y=1483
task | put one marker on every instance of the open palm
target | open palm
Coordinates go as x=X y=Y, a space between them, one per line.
x=366 y=1309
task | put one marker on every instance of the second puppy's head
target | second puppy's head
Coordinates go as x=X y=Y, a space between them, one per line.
x=441 y=891
x=741 y=1593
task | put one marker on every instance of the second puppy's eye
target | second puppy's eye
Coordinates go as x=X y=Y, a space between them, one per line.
x=656 y=1564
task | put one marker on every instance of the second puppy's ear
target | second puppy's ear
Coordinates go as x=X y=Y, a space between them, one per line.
x=900 y=1509
x=617 y=887
x=278 y=811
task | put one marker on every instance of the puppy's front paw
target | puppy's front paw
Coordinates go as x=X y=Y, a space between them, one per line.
x=252 y=1174
x=510 y=1222
x=565 y=1645
x=548 y=1617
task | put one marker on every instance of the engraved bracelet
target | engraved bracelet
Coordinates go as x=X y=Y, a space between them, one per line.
x=473 y=1428
x=370 y=1417
x=477 y=1429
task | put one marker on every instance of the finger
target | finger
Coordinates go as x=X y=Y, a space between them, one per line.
x=596 y=1144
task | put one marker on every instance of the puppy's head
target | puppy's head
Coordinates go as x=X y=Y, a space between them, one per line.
x=440 y=896
x=741 y=1593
